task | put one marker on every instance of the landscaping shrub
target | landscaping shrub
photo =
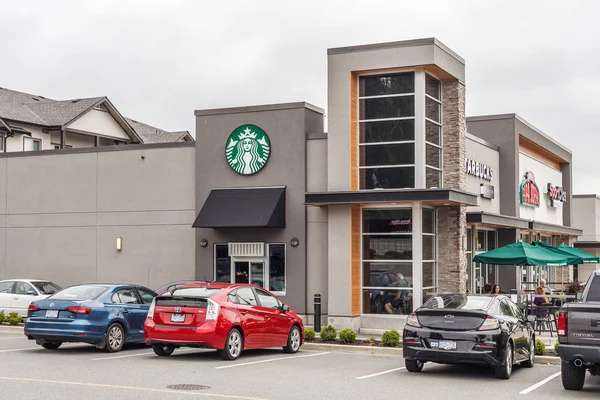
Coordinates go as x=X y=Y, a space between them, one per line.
x=2 y=316
x=556 y=346
x=309 y=334
x=13 y=318
x=372 y=341
x=347 y=335
x=390 y=338
x=328 y=333
x=540 y=347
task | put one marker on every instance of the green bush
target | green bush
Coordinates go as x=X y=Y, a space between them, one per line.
x=347 y=335
x=390 y=338
x=556 y=346
x=2 y=316
x=372 y=341
x=540 y=347
x=328 y=333
x=309 y=334
x=13 y=318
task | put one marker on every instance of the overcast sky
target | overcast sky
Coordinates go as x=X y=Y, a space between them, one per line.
x=158 y=61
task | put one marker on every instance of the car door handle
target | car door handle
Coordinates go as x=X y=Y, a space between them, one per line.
x=125 y=311
x=267 y=317
x=243 y=312
x=15 y=298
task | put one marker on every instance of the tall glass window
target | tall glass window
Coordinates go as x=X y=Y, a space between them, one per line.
x=387 y=261
x=387 y=131
x=429 y=255
x=433 y=132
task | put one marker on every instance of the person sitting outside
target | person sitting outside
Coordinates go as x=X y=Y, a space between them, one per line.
x=496 y=289
x=547 y=289
x=540 y=299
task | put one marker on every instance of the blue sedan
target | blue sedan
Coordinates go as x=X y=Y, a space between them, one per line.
x=104 y=315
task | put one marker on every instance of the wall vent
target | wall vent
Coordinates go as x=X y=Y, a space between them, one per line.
x=247 y=249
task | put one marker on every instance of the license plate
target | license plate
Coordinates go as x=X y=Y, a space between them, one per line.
x=447 y=345
x=51 y=313
x=177 y=317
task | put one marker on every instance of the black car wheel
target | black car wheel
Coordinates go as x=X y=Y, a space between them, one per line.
x=51 y=345
x=414 y=365
x=504 y=370
x=294 y=340
x=115 y=338
x=529 y=363
x=233 y=345
x=163 y=350
x=573 y=378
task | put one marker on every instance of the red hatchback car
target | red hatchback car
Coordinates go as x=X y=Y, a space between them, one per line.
x=228 y=317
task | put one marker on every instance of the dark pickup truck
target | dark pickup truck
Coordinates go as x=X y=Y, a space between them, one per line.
x=579 y=335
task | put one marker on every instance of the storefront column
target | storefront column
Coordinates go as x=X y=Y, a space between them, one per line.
x=420 y=173
x=417 y=251
x=452 y=264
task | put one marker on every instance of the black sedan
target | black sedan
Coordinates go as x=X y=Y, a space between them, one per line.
x=461 y=328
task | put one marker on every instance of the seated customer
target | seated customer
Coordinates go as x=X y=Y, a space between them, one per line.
x=540 y=299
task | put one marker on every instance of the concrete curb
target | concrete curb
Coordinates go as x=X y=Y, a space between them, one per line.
x=392 y=351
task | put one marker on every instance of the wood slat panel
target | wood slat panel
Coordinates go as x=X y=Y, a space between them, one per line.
x=353 y=131
x=356 y=259
x=431 y=68
x=536 y=152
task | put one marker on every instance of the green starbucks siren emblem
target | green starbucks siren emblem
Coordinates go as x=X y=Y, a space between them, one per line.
x=248 y=149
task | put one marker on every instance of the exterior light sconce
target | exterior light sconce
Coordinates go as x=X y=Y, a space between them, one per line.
x=119 y=243
x=203 y=243
x=295 y=242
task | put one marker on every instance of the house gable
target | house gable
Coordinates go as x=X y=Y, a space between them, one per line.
x=99 y=121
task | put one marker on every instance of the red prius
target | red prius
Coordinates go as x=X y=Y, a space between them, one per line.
x=228 y=317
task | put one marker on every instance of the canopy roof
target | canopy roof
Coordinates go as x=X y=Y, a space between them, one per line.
x=586 y=258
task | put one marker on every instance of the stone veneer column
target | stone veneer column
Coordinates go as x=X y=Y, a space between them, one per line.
x=452 y=221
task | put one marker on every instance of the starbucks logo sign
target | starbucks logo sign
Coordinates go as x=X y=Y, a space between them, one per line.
x=248 y=149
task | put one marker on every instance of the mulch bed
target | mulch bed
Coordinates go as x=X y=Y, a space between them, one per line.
x=358 y=342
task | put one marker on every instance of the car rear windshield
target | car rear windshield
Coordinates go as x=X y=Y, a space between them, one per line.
x=202 y=292
x=594 y=292
x=46 y=287
x=80 y=293
x=458 y=301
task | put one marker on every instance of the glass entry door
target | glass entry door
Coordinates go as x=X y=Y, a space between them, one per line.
x=249 y=272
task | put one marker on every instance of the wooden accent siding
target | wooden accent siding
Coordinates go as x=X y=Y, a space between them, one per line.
x=431 y=68
x=538 y=153
x=353 y=131
x=356 y=259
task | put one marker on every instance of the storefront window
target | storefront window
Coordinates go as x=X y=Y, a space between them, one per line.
x=429 y=255
x=387 y=261
x=433 y=128
x=387 y=131
x=257 y=271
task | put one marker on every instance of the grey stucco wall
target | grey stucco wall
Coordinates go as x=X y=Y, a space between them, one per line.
x=286 y=127
x=61 y=212
x=481 y=153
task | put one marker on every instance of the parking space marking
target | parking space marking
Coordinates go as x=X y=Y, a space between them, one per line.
x=137 y=355
x=272 y=359
x=380 y=373
x=11 y=350
x=141 y=389
x=12 y=337
x=537 y=385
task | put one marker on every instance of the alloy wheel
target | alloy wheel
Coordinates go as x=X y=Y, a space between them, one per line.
x=235 y=343
x=115 y=337
x=295 y=339
x=509 y=360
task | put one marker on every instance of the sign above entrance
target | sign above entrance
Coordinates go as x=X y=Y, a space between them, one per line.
x=486 y=191
x=248 y=149
x=557 y=195
x=479 y=170
x=529 y=192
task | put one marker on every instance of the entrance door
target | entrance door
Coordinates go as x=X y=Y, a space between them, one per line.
x=249 y=271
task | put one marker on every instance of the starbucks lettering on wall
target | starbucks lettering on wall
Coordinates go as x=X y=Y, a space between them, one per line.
x=479 y=170
x=248 y=149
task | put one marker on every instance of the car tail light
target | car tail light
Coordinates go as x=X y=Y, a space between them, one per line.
x=412 y=320
x=32 y=307
x=151 y=310
x=212 y=311
x=562 y=323
x=79 y=310
x=489 y=324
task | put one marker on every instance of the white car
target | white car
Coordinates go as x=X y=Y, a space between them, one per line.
x=17 y=294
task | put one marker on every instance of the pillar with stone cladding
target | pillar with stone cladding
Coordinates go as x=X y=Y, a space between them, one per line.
x=452 y=221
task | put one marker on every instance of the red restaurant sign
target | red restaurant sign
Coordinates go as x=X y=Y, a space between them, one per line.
x=529 y=191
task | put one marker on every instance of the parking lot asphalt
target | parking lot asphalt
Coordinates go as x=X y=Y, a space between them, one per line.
x=76 y=372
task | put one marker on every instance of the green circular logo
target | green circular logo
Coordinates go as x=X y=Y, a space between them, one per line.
x=248 y=149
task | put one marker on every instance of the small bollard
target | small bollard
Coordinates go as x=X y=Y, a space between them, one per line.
x=317 y=313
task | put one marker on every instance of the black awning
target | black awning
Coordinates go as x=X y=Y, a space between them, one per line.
x=243 y=208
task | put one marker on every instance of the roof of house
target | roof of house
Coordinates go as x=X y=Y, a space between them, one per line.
x=39 y=110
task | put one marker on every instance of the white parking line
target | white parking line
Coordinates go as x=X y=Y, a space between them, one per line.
x=137 y=355
x=12 y=337
x=272 y=359
x=380 y=373
x=11 y=350
x=537 y=385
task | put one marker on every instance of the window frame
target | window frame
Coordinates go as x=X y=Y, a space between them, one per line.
x=11 y=288
x=135 y=293
x=2 y=144
x=440 y=146
x=34 y=140
x=16 y=285
x=139 y=291
x=251 y=291
x=256 y=293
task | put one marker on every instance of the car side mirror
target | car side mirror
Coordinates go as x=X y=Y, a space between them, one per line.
x=285 y=308
x=32 y=292
x=531 y=318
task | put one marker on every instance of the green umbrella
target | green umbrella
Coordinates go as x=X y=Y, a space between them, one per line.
x=586 y=258
x=572 y=259
x=521 y=253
